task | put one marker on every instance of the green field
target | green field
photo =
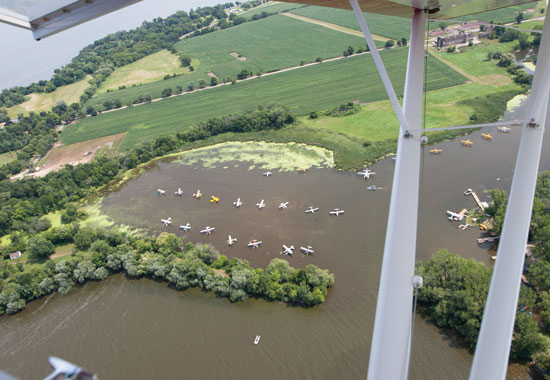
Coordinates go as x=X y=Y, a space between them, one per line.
x=253 y=40
x=530 y=24
x=7 y=157
x=312 y=88
x=271 y=7
x=499 y=16
x=387 y=26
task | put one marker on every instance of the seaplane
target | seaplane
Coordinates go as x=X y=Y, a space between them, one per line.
x=261 y=204
x=267 y=174
x=179 y=192
x=283 y=206
x=466 y=142
x=455 y=216
x=166 y=222
x=207 y=230
x=186 y=227
x=336 y=212
x=214 y=199
x=504 y=129
x=436 y=151
x=238 y=203
x=366 y=173
x=287 y=250
x=254 y=244
x=303 y=170
x=487 y=136
x=161 y=192
x=197 y=195
x=231 y=241
x=307 y=250
x=311 y=210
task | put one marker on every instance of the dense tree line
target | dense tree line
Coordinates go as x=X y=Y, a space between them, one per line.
x=23 y=200
x=455 y=288
x=163 y=258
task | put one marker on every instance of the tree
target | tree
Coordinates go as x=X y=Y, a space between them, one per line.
x=403 y=41
x=389 y=44
x=442 y=25
x=519 y=18
x=83 y=239
x=185 y=60
x=39 y=247
x=190 y=86
x=213 y=81
x=527 y=338
x=166 y=92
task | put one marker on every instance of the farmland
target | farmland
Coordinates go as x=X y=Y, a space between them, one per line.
x=271 y=7
x=265 y=45
x=312 y=88
x=504 y=15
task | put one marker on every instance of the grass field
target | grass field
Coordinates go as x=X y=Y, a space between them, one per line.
x=312 y=88
x=45 y=101
x=255 y=41
x=7 y=157
x=271 y=7
x=500 y=16
x=148 y=69
x=530 y=24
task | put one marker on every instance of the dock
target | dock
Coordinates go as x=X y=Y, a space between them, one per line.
x=489 y=239
x=479 y=203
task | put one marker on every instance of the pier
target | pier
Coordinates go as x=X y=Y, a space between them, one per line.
x=489 y=239
x=480 y=204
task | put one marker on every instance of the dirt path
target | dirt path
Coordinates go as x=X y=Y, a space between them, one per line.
x=338 y=28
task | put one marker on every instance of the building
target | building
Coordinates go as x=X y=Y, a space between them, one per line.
x=15 y=255
x=454 y=39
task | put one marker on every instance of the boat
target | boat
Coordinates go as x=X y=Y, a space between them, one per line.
x=257 y=340
x=371 y=188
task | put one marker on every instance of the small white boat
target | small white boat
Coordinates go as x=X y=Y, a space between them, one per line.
x=257 y=340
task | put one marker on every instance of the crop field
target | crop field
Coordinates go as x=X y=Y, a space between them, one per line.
x=45 y=101
x=148 y=69
x=503 y=15
x=271 y=7
x=309 y=89
x=269 y=44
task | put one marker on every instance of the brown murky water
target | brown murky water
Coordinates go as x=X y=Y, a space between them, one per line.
x=141 y=329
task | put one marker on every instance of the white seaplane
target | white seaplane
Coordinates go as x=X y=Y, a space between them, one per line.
x=307 y=250
x=197 y=195
x=311 y=210
x=231 y=241
x=207 y=230
x=166 y=222
x=267 y=174
x=366 y=173
x=287 y=250
x=504 y=129
x=261 y=204
x=336 y=212
x=283 y=206
x=186 y=227
x=455 y=216
x=179 y=192
x=254 y=244
x=238 y=203
x=161 y=192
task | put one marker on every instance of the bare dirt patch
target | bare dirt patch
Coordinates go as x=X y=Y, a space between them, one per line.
x=220 y=272
x=212 y=75
x=236 y=55
x=78 y=153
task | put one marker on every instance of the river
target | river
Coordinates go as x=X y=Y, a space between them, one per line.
x=142 y=329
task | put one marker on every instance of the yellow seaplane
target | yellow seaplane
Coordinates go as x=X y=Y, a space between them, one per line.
x=466 y=142
x=487 y=136
x=436 y=151
x=214 y=199
x=302 y=170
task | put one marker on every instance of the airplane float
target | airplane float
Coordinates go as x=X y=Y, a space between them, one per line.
x=254 y=244
x=283 y=206
x=267 y=174
x=436 y=151
x=238 y=203
x=186 y=227
x=336 y=212
x=261 y=204
x=166 y=222
x=487 y=136
x=366 y=173
x=231 y=241
x=207 y=230
x=504 y=129
x=307 y=250
x=287 y=250
x=197 y=195
x=311 y=210
x=466 y=142
x=179 y=192
x=214 y=199
x=161 y=192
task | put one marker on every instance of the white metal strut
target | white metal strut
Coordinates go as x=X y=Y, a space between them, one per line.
x=497 y=326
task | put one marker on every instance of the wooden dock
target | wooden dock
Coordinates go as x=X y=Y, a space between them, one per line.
x=489 y=239
x=479 y=203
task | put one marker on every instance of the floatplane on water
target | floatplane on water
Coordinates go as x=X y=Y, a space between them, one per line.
x=307 y=250
x=311 y=210
x=267 y=174
x=261 y=204
x=186 y=227
x=366 y=173
x=161 y=192
x=238 y=203
x=504 y=129
x=214 y=199
x=487 y=136
x=287 y=250
x=231 y=241
x=254 y=244
x=466 y=142
x=283 y=206
x=207 y=230
x=436 y=152
x=179 y=192
x=197 y=195
x=166 y=222
x=336 y=212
